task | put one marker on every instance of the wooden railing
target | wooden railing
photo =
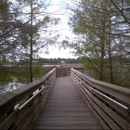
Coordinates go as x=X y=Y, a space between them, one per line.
x=109 y=103
x=20 y=108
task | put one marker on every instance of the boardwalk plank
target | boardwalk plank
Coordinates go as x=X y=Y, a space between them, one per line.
x=66 y=109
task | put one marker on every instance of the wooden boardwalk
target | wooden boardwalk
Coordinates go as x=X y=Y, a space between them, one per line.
x=66 y=109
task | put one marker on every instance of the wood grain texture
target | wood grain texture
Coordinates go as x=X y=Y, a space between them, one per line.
x=109 y=101
x=66 y=109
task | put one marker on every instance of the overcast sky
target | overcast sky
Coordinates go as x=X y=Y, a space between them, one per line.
x=59 y=10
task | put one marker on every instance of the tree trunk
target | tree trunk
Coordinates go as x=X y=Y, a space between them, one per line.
x=102 y=59
x=102 y=62
x=110 y=57
x=31 y=44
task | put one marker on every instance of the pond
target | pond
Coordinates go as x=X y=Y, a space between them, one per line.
x=10 y=86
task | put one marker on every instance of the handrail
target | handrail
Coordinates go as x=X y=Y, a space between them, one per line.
x=29 y=99
x=109 y=103
x=121 y=105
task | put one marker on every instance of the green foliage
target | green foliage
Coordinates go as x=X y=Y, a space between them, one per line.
x=4 y=8
x=5 y=77
x=45 y=70
x=23 y=101
x=22 y=26
x=3 y=118
x=11 y=74
x=101 y=50
x=37 y=71
x=56 y=60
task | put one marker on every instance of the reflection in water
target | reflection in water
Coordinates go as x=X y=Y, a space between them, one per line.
x=10 y=86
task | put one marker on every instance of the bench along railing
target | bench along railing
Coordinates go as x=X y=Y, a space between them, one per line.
x=20 y=108
x=109 y=103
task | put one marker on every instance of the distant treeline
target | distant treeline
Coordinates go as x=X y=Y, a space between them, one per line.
x=57 y=60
